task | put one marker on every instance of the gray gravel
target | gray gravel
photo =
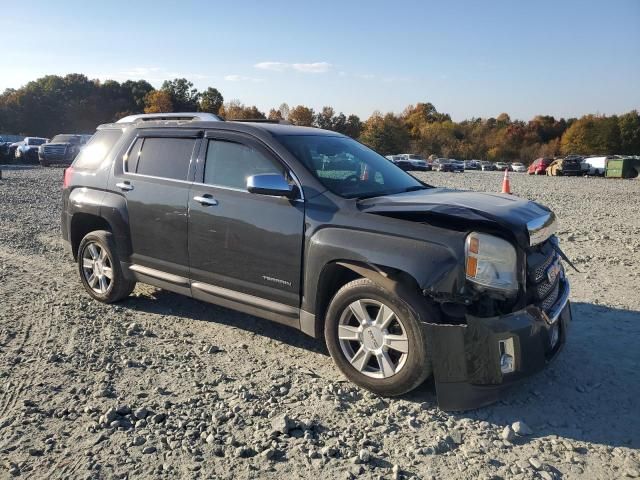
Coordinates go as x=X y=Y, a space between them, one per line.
x=162 y=386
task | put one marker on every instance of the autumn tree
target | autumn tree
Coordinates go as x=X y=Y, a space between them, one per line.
x=301 y=116
x=417 y=116
x=158 y=101
x=592 y=135
x=236 y=110
x=274 y=115
x=385 y=134
x=184 y=97
x=211 y=101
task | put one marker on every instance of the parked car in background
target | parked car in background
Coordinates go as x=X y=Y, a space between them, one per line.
x=442 y=165
x=472 y=164
x=458 y=166
x=503 y=166
x=518 y=167
x=596 y=166
x=564 y=167
x=487 y=166
x=63 y=148
x=400 y=161
x=539 y=166
x=6 y=153
x=417 y=161
x=27 y=151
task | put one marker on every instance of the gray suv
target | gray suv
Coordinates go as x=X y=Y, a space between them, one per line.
x=313 y=230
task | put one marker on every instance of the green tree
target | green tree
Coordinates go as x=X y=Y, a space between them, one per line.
x=629 y=125
x=184 y=97
x=325 y=118
x=211 y=100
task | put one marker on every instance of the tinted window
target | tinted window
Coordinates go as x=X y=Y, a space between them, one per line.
x=97 y=149
x=229 y=164
x=66 y=139
x=165 y=157
x=133 y=156
x=347 y=167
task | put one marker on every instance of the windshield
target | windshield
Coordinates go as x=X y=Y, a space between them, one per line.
x=36 y=141
x=347 y=167
x=66 y=139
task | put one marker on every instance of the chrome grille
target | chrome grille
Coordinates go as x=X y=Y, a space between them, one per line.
x=541 y=270
x=54 y=149
x=542 y=292
x=549 y=301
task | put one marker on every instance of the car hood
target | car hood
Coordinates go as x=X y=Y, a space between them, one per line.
x=463 y=209
x=64 y=144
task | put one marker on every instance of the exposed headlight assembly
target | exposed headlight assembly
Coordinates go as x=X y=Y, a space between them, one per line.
x=491 y=262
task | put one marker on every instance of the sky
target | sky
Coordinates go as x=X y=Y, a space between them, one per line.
x=468 y=58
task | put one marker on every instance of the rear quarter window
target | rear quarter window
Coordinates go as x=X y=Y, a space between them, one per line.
x=95 y=151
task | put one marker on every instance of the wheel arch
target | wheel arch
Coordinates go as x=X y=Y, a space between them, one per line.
x=334 y=275
x=83 y=223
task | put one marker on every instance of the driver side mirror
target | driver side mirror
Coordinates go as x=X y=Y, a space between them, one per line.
x=270 y=184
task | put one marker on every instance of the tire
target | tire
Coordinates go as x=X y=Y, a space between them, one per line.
x=44 y=163
x=405 y=369
x=99 y=245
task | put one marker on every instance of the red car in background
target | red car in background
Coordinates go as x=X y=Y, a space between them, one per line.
x=539 y=166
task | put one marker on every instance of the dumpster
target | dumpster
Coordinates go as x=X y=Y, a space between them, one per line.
x=623 y=167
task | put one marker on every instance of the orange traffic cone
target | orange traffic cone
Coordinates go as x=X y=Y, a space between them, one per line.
x=506 y=188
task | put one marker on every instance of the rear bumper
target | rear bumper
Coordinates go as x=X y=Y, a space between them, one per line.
x=467 y=358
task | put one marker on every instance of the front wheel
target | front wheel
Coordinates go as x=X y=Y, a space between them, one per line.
x=376 y=338
x=100 y=270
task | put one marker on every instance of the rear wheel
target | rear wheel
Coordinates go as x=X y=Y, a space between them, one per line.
x=376 y=339
x=100 y=270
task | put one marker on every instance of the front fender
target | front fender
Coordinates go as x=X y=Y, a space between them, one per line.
x=435 y=267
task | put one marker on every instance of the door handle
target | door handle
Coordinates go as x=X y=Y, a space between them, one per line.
x=205 y=200
x=126 y=186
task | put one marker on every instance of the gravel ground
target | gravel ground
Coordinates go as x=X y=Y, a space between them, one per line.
x=164 y=386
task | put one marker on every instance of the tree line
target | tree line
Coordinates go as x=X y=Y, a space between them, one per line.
x=74 y=103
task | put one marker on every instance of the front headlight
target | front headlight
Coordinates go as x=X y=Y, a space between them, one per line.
x=491 y=262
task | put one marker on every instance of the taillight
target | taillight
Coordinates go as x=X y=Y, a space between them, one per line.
x=67 y=177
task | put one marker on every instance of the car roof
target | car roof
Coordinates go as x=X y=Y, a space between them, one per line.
x=275 y=129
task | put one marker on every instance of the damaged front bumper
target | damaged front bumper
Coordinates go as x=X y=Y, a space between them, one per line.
x=474 y=363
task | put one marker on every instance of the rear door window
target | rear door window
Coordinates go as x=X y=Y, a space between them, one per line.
x=162 y=157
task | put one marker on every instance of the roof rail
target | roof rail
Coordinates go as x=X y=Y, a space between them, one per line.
x=259 y=120
x=146 y=117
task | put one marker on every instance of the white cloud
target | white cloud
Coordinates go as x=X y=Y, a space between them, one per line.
x=241 y=78
x=275 y=66
x=315 y=67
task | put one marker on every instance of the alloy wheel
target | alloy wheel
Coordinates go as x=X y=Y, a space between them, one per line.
x=96 y=267
x=373 y=338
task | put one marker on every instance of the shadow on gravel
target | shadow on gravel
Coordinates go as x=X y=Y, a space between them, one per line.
x=589 y=393
x=164 y=302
